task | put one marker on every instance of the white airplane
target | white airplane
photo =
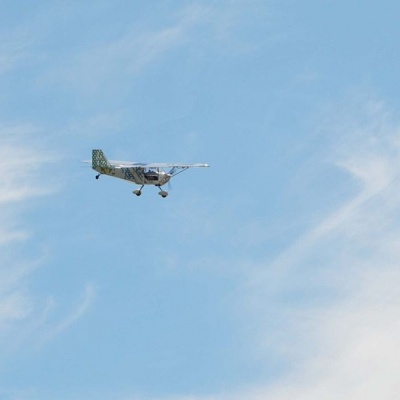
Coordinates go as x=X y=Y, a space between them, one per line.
x=139 y=173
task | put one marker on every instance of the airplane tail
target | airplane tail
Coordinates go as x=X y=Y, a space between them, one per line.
x=99 y=159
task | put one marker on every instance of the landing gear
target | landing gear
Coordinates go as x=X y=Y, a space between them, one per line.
x=138 y=192
x=98 y=176
x=163 y=193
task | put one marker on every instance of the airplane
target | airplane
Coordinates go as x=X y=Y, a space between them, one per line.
x=139 y=173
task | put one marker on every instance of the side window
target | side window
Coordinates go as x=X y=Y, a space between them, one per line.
x=151 y=176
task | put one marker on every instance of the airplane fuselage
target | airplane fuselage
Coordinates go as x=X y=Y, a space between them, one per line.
x=136 y=175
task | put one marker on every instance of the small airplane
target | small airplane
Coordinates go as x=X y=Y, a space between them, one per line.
x=139 y=173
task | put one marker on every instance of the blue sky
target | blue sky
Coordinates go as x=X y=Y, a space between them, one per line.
x=274 y=274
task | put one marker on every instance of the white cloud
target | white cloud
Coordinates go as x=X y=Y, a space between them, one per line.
x=96 y=67
x=23 y=162
x=13 y=47
x=80 y=310
x=20 y=183
x=348 y=348
x=13 y=306
x=112 y=64
x=20 y=166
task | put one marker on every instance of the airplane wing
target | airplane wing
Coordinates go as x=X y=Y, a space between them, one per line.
x=175 y=165
x=126 y=164
x=155 y=165
x=130 y=164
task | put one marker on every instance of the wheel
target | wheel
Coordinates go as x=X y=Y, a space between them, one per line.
x=137 y=192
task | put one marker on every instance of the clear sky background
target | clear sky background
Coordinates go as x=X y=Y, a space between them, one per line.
x=274 y=274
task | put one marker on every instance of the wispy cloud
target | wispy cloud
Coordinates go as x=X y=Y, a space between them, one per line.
x=22 y=167
x=22 y=318
x=112 y=64
x=347 y=347
x=13 y=47
x=126 y=56
x=77 y=312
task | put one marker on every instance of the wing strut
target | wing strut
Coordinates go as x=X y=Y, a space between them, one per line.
x=175 y=171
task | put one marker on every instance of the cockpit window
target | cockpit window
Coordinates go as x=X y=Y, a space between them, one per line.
x=151 y=175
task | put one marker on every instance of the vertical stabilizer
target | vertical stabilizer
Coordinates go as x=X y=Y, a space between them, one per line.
x=99 y=160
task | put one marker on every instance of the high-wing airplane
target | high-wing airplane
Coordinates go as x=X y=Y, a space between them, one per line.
x=139 y=173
